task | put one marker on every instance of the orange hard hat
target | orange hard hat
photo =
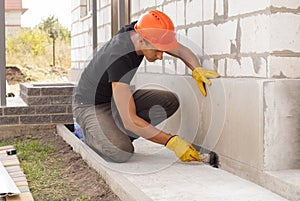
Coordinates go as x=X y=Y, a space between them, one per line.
x=158 y=29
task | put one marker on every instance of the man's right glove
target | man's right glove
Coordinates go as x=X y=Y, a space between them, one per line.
x=183 y=150
x=202 y=75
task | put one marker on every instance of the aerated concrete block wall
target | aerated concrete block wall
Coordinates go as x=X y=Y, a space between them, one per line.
x=254 y=45
x=82 y=33
x=251 y=114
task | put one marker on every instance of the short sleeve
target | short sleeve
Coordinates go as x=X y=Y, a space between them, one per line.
x=121 y=70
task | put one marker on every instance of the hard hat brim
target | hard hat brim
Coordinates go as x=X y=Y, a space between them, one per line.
x=165 y=47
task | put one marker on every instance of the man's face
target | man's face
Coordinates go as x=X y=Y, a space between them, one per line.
x=152 y=54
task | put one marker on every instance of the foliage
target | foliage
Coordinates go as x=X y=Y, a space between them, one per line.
x=54 y=29
x=27 y=41
x=31 y=49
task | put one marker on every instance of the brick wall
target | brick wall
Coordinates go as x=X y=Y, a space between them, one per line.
x=45 y=104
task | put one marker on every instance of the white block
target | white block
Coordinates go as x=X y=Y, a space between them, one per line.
x=175 y=10
x=170 y=10
x=181 y=36
x=217 y=38
x=77 y=41
x=141 y=69
x=193 y=11
x=180 y=19
x=75 y=4
x=281 y=121
x=286 y=4
x=154 y=67
x=75 y=15
x=74 y=65
x=159 y=2
x=107 y=32
x=248 y=67
x=104 y=3
x=195 y=40
x=101 y=34
x=134 y=6
x=73 y=55
x=284 y=67
x=169 y=66
x=146 y=3
x=86 y=24
x=221 y=67
x=219 y=7
x=237 y=7
x=100 y=20
x=107 y=15
x=208 y=12
x=208 y=64
x=181 y=68
x=80 y=40
x=255 y=34
x=285 y=34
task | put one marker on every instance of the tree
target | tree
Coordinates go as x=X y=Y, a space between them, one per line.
x=55 y=31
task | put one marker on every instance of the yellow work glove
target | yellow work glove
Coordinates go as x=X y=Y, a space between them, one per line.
x=202 y=75
x=183 y=150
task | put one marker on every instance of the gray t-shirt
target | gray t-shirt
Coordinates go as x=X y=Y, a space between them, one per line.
x=116 y=61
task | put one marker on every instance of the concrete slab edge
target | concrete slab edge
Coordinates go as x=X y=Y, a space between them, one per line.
x=264 y=179
x=120 y=185
x=281 y=187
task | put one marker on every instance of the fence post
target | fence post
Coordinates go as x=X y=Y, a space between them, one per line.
x=2 y=56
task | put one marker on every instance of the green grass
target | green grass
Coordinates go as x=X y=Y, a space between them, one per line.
x=42 y=169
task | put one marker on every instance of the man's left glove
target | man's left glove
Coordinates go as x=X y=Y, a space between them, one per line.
x=202 y=75
x=183 y=150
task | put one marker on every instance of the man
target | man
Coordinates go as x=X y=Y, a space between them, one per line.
x=110 y=115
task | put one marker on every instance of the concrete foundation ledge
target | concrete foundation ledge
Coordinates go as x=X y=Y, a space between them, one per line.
x=154 y=173
x=117 y=182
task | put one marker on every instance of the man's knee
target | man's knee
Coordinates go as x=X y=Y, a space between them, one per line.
x=173 y=103
x=119 y=154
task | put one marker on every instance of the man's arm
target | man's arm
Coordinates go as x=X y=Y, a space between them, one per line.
x=127 y=110
x=200 y=74
x=126 y=107
x=186 y=55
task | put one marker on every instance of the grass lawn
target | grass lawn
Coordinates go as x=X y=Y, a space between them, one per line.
x=55 y=172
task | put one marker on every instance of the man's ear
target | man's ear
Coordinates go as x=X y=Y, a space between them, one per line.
x=140 y=39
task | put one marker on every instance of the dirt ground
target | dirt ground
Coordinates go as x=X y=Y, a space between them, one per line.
x=84 y=182
x=86 y=179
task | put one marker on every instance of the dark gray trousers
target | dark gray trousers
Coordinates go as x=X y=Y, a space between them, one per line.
x=104 y=131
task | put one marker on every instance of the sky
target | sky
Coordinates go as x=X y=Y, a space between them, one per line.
x=39 y=10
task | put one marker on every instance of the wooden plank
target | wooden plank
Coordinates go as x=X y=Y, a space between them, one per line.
x=10 y=163
x=22 y=183
x=8 y=158
x=22 y=197
x=6 y=147
x=3 y=152
x=12 y=166
x=16 y=174
x=24 y=189
x=13 y=169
